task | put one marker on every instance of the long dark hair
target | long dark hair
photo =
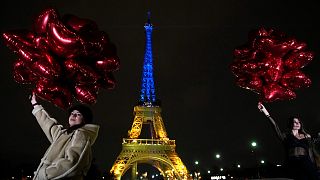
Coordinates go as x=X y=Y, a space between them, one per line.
x=291 y=122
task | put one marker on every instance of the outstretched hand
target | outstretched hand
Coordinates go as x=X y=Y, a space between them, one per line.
x=263 y=109
x=33 y=99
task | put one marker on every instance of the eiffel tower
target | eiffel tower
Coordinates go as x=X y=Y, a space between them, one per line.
x=159 y=151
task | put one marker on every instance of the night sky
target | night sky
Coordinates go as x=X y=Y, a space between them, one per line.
x=193 y=43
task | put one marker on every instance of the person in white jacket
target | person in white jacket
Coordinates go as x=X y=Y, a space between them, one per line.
x=69 y=155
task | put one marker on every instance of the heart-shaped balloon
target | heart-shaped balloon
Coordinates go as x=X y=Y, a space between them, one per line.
x=62 y=41
x=22 y=73
x=40 y=25
x=65 y=58
x=295 y=80
x=86 y=94
x=54 y=92
x=270 y=63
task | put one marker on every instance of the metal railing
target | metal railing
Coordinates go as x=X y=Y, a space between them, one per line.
x=149 y=141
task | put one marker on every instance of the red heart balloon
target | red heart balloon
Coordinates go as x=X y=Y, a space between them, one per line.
x=41 y=22
x=82 y=73
x=21 y=42
x=270 y=64
x=273 y=92
x=54 y=92
x=22 y=73
x=64 y=57
x=108 y=64
x=86 y=94
x=79 y=24
x=253 y=83
x=295 y=80
x=274 y=68
x=107 y=81
x=297 y=60
x=62 y=41
x=47 y=67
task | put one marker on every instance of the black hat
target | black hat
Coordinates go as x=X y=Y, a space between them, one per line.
x=84 y=110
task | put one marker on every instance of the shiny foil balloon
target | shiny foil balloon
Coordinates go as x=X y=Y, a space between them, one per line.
x=41 y=22
x=54 y=92
x=47 y=67
x=107 y=81
x=273 y=92
x=64 y=58
x=80 y=72
x=63 y=41
x=86 y=94
x=295 y=80
x=108 y=64
x=22 y=73
x=17 y=39
x=298 y=60
x=79 y=24
x=253 y=83
x=270 y=64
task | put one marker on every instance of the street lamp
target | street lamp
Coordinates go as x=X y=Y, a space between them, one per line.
x=253 y=144
x=196 y=171
x=218 y=156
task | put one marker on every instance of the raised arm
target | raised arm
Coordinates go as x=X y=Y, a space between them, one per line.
x=266 y=113
x=49 y=125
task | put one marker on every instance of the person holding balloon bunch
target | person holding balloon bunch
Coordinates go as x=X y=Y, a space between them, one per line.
x=270 y=65
x=298 y=144
x=69 y=156
x=64 y=58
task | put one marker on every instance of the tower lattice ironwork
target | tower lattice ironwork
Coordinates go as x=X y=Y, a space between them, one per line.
x=158 y=151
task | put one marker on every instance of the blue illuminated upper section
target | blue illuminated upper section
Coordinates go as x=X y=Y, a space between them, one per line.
x=148 y=92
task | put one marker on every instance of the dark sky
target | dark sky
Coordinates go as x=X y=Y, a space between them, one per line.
x=203 y=109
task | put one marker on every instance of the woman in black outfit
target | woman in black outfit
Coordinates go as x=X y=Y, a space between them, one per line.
x=298 y=148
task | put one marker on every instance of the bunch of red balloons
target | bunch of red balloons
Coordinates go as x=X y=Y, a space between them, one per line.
x=65 y=57
x=270 y=64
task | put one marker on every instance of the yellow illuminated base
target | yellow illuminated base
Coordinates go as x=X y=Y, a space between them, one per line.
x=158 y=152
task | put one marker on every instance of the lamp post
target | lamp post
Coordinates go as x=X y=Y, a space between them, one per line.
x=196 y=173
x=254 y=146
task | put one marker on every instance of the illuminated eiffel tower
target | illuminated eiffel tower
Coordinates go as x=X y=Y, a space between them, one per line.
x=159 y=151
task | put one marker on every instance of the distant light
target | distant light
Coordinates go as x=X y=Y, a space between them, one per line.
x=196 y=162
x=221 y=169
x=278 y=165
x=253 y=144
x=209 y=171
x=262 y=161
x=218 y=156
x=152 y=176
x=218 y=177
x=238 y=166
